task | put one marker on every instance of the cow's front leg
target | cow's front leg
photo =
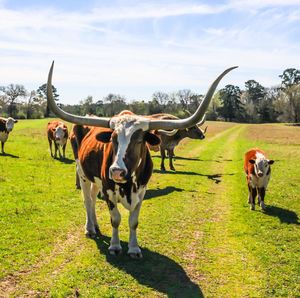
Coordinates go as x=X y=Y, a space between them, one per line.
x=58 y=148
x=163 y=156
x=90 y=230
x=2 y=147
x=94 y=192
x=50 y=146
x=261 y=197
x=252 y=197
x=64 y=150
x=115 y=247
x=133 y=248
x=55 y=150
x=170 y=153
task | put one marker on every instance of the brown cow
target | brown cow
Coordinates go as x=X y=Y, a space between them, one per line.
x=6 y=126
x=57 y=133
x=115 y=161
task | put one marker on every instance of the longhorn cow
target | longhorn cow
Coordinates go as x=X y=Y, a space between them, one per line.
x=113 y=159
x=170 y=139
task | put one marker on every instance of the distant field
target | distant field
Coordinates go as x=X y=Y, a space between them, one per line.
x=197 y=234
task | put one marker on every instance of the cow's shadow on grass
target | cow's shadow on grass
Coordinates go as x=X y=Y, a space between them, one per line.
x=152 y=193
x=9 y=155
x=65 y=160
x=195 y=159
x=154 y=270
x=214 y=177
x=180 y=158
x=284 y=215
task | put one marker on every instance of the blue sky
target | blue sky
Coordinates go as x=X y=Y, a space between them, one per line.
x=135 y=48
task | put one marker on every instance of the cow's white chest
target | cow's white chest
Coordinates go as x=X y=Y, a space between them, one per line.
x=61 y=142
x=259 y=181
x=3 y=136
x=136 y=197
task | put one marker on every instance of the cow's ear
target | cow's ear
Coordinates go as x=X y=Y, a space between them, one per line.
x=104 y=136
x=270 y=162
x=15 y=121
x=152 y=139
x=252 y=161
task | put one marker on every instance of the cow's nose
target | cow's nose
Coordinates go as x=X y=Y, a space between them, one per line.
x=260 y=174
x=117 y=174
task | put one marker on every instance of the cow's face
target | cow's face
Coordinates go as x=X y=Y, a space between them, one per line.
x=196 y=132
x=59 y=133
x=261 y=166
x=128 y=142
x=10 y=123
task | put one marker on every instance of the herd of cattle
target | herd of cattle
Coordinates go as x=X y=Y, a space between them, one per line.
x=113 y=158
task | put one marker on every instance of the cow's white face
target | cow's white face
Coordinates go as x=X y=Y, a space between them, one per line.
x=261 y=165
x=128 y=138
x=59 y=133
x=10 y=124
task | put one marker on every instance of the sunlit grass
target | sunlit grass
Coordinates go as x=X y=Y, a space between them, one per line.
x=198 y=236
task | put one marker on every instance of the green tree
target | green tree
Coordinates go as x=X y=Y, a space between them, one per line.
x=290 y=77
x=42 y=92
x=255 y=92
x=115 y=103
x=87 y=106
x=290 y=85
x=232 y=108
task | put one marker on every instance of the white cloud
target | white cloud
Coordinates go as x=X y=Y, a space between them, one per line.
x=94 y=53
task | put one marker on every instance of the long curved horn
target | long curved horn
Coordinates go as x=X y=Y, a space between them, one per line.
x=169 y=133
x=202 y=121
x=91 y=121
x=194 y=119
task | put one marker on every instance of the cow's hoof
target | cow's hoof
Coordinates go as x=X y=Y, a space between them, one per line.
x=136 y=256
x=135 y=252
x=172 y=169
x=90 y=234
x=115 y=250
x=252 y=207
x=263 y=206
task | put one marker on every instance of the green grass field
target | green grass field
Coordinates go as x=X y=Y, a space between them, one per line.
x=197 y=233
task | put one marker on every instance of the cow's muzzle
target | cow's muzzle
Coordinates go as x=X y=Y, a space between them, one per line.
x=118 y=175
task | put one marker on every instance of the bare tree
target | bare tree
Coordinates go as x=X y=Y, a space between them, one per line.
x=12 y=93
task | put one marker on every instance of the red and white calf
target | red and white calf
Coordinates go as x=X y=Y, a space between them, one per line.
x=57 y=132
x=258 y=171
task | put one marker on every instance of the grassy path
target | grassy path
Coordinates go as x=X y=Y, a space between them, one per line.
x=197 y=233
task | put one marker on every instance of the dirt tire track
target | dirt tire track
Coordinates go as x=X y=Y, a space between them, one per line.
x=11 y=283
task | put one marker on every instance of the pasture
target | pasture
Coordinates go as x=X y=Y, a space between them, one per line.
x=197 y=233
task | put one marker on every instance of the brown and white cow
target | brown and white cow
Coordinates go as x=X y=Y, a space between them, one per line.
x=6 y=126
x=57 y=132
x=113 y=159
x=258 y=171
x=170 y=139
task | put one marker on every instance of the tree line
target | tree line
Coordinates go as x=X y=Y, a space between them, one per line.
x=254 y=104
